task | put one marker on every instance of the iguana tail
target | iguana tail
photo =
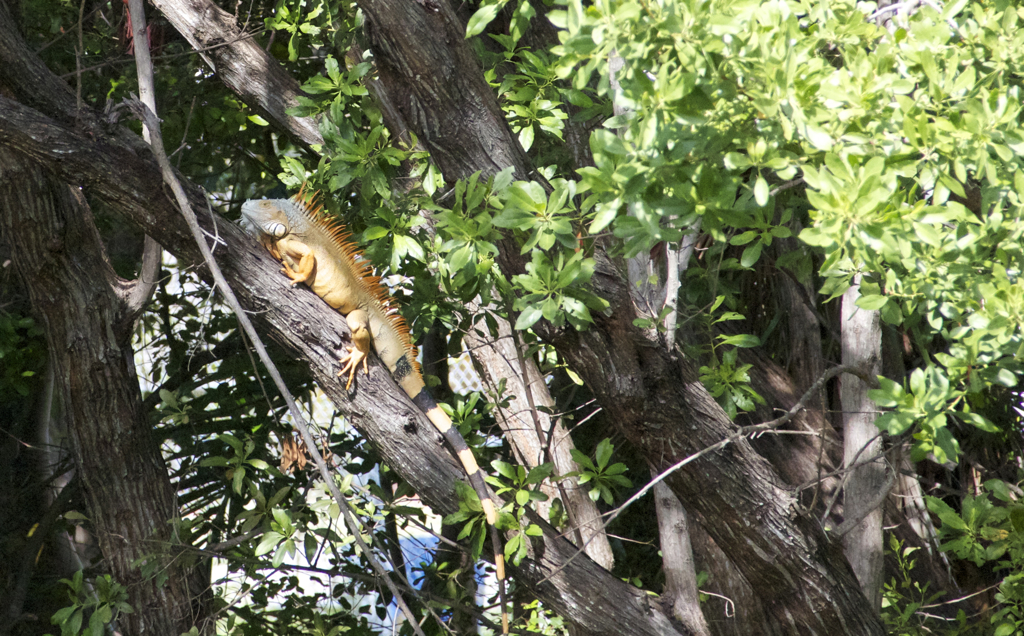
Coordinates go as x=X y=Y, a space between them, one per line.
x=443 y=424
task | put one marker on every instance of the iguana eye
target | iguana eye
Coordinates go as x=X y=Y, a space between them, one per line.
x=275 y=229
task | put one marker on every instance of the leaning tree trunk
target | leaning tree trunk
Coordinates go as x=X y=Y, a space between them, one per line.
x=82 y=306
x=500 y=361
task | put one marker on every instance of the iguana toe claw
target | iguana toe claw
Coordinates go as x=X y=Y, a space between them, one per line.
x=351 y=361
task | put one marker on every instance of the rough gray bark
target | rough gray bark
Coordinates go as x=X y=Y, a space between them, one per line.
x=805 y=361
x=862 y=343
x=498 y=361
x=240 y=63
x=651 y=288
x=82 y=306
x=680 y=581
x=737 y=610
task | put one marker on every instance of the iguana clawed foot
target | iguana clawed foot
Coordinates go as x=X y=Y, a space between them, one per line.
x=291 y=274
x=301 y=272
x=351 y=361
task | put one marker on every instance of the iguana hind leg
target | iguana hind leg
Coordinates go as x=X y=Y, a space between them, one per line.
x=359 y=323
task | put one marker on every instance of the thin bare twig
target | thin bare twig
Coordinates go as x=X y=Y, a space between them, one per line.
x=127 y=60
x=152 y=252
x=846 y=472
x=786 y=186
x=876 y=501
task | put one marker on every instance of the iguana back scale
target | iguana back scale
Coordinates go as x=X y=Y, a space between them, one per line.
x=318 y=251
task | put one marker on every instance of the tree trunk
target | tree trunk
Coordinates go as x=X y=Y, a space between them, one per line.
x=650 y=291
x=862 y=343
x=733 y=607
x=499 y=361
x=680 y=583
x=81 y=305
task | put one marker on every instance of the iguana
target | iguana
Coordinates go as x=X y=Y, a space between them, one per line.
x=319 y=252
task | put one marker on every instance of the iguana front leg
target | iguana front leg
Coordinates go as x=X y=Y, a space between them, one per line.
x=291 y=251
x=359 y=324
x=270 y=243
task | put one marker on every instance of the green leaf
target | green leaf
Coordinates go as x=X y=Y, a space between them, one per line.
x=282 y=519
x=238 y=479
x=751 y=254
x=892 y=314
x=309 y=547
x=582 y=460
x=74 y=624
x=1016 y=517
x=479 y=20
x=231 y=441
x=528 y=316
x=744 y=340
x=62 y=615
x=888 y=394
x=872 y=302
x=540 y=473
x=512 y=546
x=268 y=543
x=504 y=469
x=374 y=232
x=947 y=515
x=526 y=137
x=820 y=139
x=96 y=621
x=604 y=452
x=761 y=191
x=978 y=421
x=895 y=423
x=1006 y=378
x=736 y=161
x=742 y=239
x=1005 y=629
x=606 y=213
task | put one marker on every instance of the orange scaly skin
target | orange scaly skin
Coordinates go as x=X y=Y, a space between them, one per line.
x=318 y=251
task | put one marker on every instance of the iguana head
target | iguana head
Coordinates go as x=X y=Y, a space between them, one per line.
x=266 y=218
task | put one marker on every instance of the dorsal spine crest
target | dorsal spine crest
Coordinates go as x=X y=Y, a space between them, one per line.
x=308 y=205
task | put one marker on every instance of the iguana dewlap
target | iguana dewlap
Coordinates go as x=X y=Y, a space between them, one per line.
x=317 y=251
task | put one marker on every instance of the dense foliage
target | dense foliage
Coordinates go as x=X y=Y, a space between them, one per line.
x=810 y=140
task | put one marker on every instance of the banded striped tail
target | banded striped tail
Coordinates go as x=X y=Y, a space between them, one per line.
x=443 y=424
